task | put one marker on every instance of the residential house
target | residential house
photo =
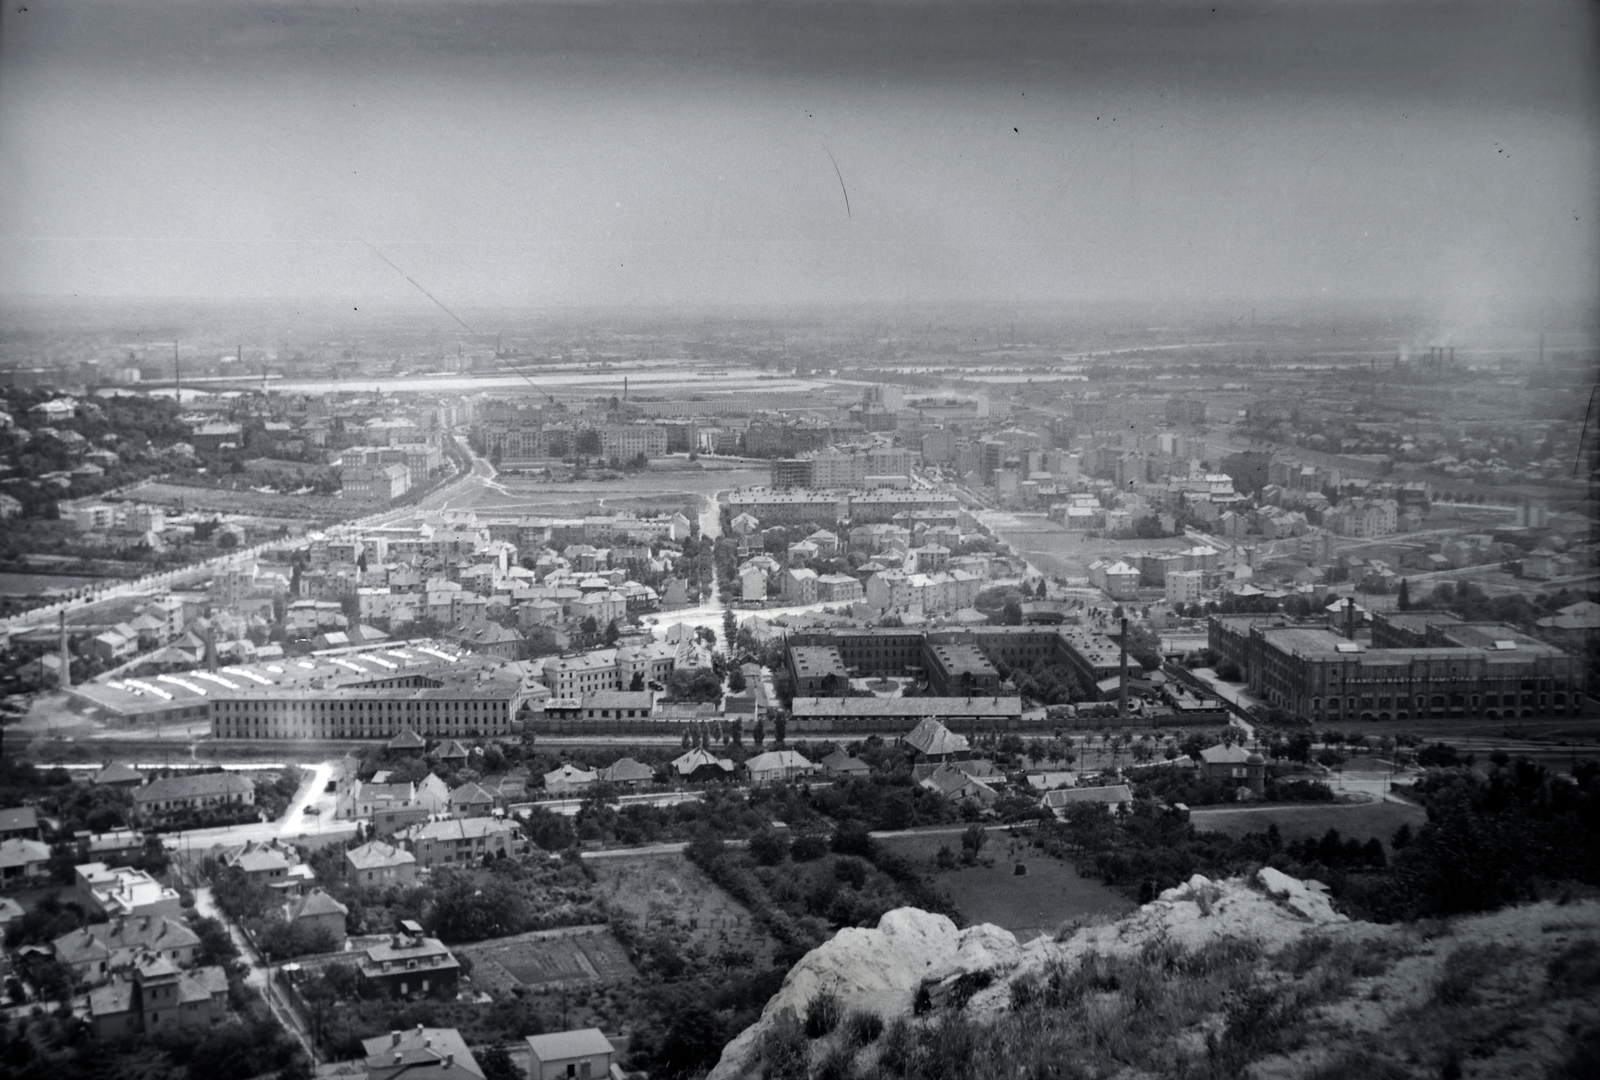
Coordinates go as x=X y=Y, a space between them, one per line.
x=122 y=891
x=839 y=763
x=585 y=1053
x=94 y=951
x=932 y=741
x=626 y=772
x=420 y=1053
x=777 y=765
x=958 y=786
x=569 y=780
x=1236 y=765
x=23 y=862
x=120 y=775
x=470 y=800
x=19 y=823
x=458 y=841
x=378 y=863
x=409 y=962
x=699 y=766
x=160 y=801
x=1115 y=798
x=158 y=998
x=318 y=913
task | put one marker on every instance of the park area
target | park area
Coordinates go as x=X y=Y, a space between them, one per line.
x=652 y=490
x=1039 y=902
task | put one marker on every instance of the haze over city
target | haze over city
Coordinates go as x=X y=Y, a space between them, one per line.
x=822 y=541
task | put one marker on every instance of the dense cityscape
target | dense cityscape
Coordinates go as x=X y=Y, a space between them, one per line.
x=776 y=541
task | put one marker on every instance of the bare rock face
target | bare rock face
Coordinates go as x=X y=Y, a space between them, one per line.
x=912 y=952
x=876 y=971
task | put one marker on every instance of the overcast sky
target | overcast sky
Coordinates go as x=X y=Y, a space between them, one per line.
x=1442 y=155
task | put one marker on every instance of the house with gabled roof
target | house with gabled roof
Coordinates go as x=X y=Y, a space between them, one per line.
x=158 y=997
x=380 y=863
x=470 y=800
x=700 y=765
x=778 y=765
x=407 y=742
x=23 y=862
x=626 y=772
x=317 y=912
x=1114 y=798
x=118 y=774
x=949 y=781
x=453 y=751
x=559 y=1054
x=458 y=841
x=932 y=741
x=96 y=950
x=839 y=763
x=569 y=779
x=420 y=1053
x=409 y=962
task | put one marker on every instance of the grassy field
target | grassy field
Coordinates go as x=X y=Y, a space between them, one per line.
x=1359 y=820
x=667 y=490
x=668 y=892
x=1039 y=902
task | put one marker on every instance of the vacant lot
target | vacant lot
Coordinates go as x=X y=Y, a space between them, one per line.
x=1359 y=820
x=667 y=490
x=548 y=958
x=1049 y=894
x=669 y=893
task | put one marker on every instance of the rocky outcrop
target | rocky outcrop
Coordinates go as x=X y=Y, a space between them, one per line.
x=912 y=952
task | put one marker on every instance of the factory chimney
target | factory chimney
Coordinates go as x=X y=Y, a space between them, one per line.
x=1122 y=705
x=1350 y=618
x=177 y=377
x=65 y=681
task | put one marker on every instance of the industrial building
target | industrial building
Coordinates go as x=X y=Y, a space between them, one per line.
x=1459 y=670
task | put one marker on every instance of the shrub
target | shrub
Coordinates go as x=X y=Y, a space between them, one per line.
x=823 y=1014
x=808 y=848
x=863 y=1028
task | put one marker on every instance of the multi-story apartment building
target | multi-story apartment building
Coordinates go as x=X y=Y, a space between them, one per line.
x=459 y=841
x=628 y=441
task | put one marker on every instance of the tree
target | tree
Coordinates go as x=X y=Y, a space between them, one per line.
x=696 y=684
x=780 y=724
x=758 y=734
x=1011 y=614
x=495 y=1061
x=736 y=681
x=730 y=627
x=1404 y=600
x=972 y=842
x=588 y=443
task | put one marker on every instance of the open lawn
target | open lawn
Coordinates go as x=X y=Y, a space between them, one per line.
x=1039 y=902
x=1360 y=820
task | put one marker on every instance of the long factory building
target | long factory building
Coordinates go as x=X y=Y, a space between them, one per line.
x=1418 y=665
x=372 y=693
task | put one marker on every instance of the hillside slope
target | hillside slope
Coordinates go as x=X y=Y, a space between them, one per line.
x=1257 y=977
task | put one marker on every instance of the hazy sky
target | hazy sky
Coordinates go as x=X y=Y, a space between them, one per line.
x=600 y=153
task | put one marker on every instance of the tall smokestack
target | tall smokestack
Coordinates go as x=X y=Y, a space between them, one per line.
x=1452 y=356
x=66 y=656
x=1122 y=705
x=177 y=377
x=1350 y=618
